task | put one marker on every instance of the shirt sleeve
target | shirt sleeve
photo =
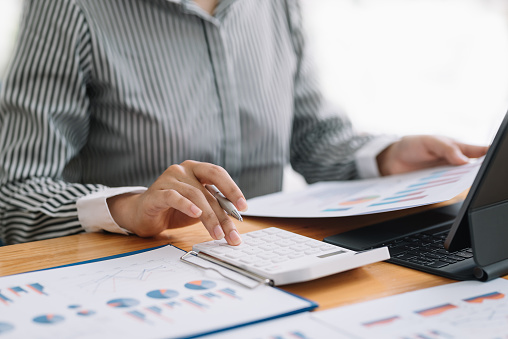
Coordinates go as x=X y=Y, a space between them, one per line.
x=44 y=124
x=365 y=157
x=93 y=211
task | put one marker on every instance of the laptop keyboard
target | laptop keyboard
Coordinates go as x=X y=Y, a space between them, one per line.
x=426 y=249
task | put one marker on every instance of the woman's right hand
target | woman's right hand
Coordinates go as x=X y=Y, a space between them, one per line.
x=179 y=198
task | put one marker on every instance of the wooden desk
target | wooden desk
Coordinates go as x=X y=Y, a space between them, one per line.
x=369 y=282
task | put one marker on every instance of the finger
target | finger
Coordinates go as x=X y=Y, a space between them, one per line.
x=226 y=227
x=186 y=198
x=218 y=224
x=233 y=193
x=473 y=151
x=190 y=179
x=447 y=150
x=218 y=176
x=213 y=217
x=170 y=198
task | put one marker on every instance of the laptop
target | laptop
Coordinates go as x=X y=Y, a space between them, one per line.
x=463 y=241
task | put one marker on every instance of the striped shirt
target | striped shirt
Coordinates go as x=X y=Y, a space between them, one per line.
x=110 y=93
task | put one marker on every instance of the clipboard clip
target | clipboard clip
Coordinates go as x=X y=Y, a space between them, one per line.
x=258 y=279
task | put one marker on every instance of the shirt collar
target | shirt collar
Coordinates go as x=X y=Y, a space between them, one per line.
x=191 y=7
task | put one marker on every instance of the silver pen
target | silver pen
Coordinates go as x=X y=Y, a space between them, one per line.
x=224 y=202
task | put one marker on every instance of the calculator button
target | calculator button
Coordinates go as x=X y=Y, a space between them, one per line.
x=299 y=247
x=285 y=235
x=271 y=238
x=327 y=247
x=279 y=259
x=284 y=242
x=268 y=247
x=254 y=241
x=283 y=251
x=234 y=255
x=221 y=250
x=256 y=234
x=299 y=240
x=247 y=260
x=265 y=255
x=250 y=250
x=312 y=251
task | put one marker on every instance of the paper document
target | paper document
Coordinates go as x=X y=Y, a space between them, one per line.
x=463 y=310
x=468 y=309
x=356 y=197
x=146 y=295
x=300 y=326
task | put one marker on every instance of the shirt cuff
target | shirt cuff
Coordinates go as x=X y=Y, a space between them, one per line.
x=93 y=211
x=365 y=157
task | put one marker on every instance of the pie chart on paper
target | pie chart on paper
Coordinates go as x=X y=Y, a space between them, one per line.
x=48 y=319
x=123 y=302
x=200 y=285
x=162 y=294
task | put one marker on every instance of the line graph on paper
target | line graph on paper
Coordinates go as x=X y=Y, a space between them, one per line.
x=125 y=276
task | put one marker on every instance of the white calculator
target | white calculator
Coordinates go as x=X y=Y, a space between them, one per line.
x=281 y=257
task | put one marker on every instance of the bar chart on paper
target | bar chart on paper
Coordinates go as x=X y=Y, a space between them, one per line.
x=356 y=197
x=469 y=309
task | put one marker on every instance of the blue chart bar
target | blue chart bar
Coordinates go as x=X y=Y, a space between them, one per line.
x=298 y=335
x=158 y=312
x=17 y=290
x=211 y=296
x=401 y=195
x=5 y=299
x=173 y=304
x=193 y=302
x=230 y=292
x=137 y=315
x=338 y=209
x=37 y=288
x=155 y=309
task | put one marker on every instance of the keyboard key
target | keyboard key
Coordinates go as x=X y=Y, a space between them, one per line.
x=464 y=254
x=437 y=264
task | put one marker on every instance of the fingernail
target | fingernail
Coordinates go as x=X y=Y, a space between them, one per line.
x=219 y=233
x=234 y=237
x=242 y=204
x=195 y=210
